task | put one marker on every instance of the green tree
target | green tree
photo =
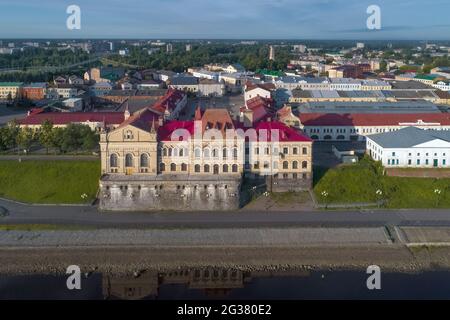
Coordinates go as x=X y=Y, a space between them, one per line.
x=46 y=135
x=25 y=138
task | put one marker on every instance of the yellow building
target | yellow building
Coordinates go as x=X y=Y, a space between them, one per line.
x=10 y=89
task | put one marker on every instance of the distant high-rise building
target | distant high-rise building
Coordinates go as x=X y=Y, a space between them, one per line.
x=169 y=48
x=111 y=46
x=360 y=45
x=188 y=47
x=271 y=53
x=300 y=48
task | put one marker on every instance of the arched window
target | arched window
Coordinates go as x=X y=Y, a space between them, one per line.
x=170 y=151
x=175 y=152
x=198 y=153
x=173 y=167
x=197 y=168
x=235 y=153
x=113 y=161
x=162 y=167
x=206 y=168
x=235 y=168
x=164 y=152
x=206 y=153
x=183 y=167
x=305 y=164
x=294 y=165
x=216 y=169
x=129 y=160
x=144 y=160
x=215 y=153
x=225 y=168
x=285 y=165
x=224 y=153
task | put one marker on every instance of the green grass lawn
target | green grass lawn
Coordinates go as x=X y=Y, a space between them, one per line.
x=49 y=181
x=360 y=182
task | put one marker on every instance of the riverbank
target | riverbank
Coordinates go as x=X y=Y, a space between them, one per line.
x=409 y=249
x=130 y=260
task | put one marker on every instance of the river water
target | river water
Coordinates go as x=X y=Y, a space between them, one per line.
x=230 y=284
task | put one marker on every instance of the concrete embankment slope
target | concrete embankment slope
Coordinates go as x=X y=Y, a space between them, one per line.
x=126 y=251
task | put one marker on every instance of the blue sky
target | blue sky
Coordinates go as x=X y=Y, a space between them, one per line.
x=251 y=19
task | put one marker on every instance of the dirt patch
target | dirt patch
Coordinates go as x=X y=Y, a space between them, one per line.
x=418 y=173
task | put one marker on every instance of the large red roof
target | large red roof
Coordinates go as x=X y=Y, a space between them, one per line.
x=371 y=119
x=286 y=134
x=64 y=118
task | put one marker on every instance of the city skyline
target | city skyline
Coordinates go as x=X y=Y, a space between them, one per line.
x=201 y=19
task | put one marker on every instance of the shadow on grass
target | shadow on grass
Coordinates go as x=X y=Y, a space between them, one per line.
x=318 y=173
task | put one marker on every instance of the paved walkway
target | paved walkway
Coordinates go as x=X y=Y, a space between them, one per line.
x=286 y=237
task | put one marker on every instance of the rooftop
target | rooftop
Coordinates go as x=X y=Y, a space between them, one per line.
x=408 y=137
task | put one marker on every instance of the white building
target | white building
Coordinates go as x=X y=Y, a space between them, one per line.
x=411 y=147
x=75 y=104
x=356 y=126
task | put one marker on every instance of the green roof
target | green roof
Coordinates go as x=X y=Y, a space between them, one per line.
x=11 y=84
x=426 y=77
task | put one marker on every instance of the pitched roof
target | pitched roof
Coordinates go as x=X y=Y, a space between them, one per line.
x=265 y=86
x=64 y=118
x=168 y=101
x=408 y=137
x=372 y=119
x=285 y=133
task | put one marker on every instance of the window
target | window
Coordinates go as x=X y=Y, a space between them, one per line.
x=206 y=153
x=197 y=153
x=128 y=135
x=224 y=153
x=256 y=150
x=256 y=165
x=225 y=168
x=304 y=164
x=215 y=153
x=418 y=161
x=285 y=165
x=183 y=167
x=144 y=160
x=197 y=168
x=113 y=160
x=206 y=168
x=304 y=150
x=235 y=168
x=162 y=167
x=216 y=169
x=164 y=152
x=286 y=150
x=295 y=165
x=295 y=150
x=235 y=153
x=129 y=160
x=173 y=167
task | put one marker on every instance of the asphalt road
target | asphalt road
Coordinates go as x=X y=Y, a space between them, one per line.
x=89 y=216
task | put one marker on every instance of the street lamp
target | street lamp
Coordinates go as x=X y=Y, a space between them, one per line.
x=325 y=196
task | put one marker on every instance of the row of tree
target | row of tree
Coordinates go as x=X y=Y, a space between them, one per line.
x=73 y=138
x=251 y=57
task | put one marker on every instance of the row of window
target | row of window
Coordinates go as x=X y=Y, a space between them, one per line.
x=129 y=160
x=198 y=168
x=418 y=162
x=294 y=165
